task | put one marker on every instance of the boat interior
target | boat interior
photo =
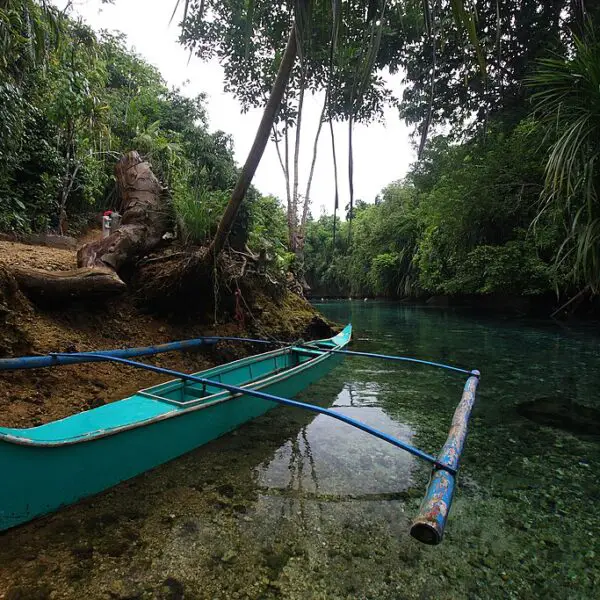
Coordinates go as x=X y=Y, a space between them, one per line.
x=239 y=373
x=171 y=396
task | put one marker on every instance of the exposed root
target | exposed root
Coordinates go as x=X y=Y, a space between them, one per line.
x=172 y=279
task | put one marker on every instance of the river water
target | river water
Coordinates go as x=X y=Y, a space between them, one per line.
x=295 y=506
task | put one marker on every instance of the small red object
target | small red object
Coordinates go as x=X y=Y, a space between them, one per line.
x=107 y=213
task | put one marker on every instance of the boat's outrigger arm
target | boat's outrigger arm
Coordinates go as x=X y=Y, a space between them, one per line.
x=74 y=358
x=325 y=348
x=429 y=525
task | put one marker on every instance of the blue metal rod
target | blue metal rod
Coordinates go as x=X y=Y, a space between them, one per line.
x=279 y=400
x=393 y=357
x=55 y=359
x=430 y=523
x=71 y=358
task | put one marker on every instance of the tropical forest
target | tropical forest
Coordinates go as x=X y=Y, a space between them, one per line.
x=165 y=283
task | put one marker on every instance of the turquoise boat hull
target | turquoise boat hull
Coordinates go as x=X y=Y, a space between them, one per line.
x=44 y=468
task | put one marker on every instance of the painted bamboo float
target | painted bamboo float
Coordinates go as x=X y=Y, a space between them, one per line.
x=430 y=523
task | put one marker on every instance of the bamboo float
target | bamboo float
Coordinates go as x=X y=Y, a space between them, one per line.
x=55 y=359
x=430 y=523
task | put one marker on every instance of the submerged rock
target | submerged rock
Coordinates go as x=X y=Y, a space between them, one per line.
x=563 y=413
x=172 y=589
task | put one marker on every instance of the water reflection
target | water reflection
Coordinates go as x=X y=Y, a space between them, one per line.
x=330 y=459
x=359 y=393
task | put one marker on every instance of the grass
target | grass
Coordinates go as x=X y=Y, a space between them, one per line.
x=198 y=214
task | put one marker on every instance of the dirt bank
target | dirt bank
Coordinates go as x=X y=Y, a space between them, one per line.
x=37 y=396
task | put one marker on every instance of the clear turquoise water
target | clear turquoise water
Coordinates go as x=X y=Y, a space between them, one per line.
x=525 y=522
x=294 y=506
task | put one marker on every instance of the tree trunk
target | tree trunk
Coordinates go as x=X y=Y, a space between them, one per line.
x=286 y=173
x=258 y=147
x=294 y=229
x=335 y=181
x=306 y=206
x=427 y=123
x=350 y=174
x=145 y=218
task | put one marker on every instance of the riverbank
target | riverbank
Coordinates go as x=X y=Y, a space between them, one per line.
x=34 y=397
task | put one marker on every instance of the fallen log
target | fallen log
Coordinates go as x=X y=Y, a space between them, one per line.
x=58 y=286
x=145 y=218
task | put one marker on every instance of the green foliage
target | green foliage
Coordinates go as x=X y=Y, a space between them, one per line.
x=71 y=111
x=378 y=261
x=467 y=219
x=268 y=225
x=325 y=269
x=567 y=104
x=479 y=194
x=513 y=268
x=28 y=31
x=268 y=233
x=459 y=224
x=198 y=213
x=383 y=271
x=264 y=223
x=248 y=38
x=433 y=55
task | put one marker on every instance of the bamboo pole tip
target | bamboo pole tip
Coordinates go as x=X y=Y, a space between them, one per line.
x=426 y=533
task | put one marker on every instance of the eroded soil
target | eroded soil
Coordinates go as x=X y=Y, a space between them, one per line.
x=34 y=397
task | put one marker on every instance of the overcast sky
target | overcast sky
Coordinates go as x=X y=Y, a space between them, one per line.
x=382 y=152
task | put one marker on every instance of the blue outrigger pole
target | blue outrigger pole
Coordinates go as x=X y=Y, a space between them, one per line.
x=74 y=358
x=429 y=525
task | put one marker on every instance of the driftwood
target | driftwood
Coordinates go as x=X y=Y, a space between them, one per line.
x=144 y=222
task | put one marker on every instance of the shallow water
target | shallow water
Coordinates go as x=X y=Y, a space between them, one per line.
x=296 y=506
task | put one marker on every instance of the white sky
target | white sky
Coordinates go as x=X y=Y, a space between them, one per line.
x=382 y=152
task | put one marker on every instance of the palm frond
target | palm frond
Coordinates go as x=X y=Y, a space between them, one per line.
x=467 y=19
x=567 y=102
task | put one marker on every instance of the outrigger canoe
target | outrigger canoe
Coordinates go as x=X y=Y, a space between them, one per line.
x=46 y=467
x=53 y=465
